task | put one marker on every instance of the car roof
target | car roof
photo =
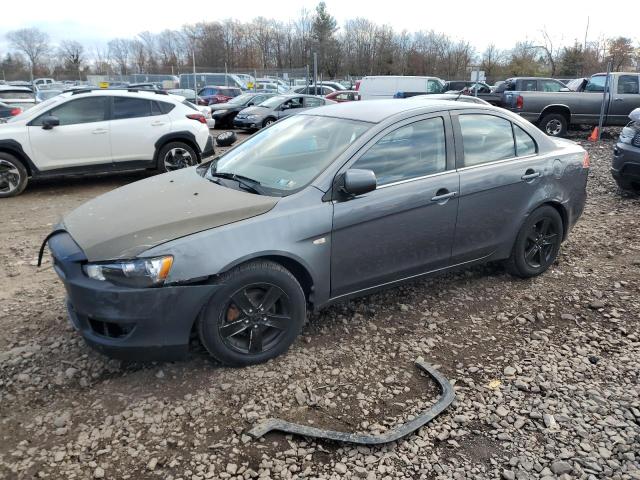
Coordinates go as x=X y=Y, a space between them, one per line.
x=375 y=111
x=15 y=88
x=112 y=92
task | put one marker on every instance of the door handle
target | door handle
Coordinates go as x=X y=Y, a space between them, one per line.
x=157 y=124
x=99 y=131
x=618 y=99
x=530 y=175
x=443 y=195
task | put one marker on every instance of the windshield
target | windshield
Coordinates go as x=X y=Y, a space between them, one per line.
x=288 y=155
x=273 y=102
x=241 y=99
x=16 y=94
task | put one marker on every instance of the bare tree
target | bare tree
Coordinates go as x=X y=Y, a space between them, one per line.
x=32 y=42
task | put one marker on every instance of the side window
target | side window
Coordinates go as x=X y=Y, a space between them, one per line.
x=82 y=110
x=550 y=86
x=127 y=107
x=486 y=138
x=294 y=102
x=412 y=151
x=166 y=107
x=628 y=84
x=433 y=86
x=529 y=85
x=313 y=102
x=524 y=143
x=596 y=83
x=155 y=109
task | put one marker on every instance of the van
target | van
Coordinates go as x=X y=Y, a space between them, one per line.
x=379 y=87
x=203 y=79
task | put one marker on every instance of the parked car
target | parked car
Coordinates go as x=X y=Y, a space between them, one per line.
x=284 y=86
x=225 y=113
x=379 y=87
x=456 y=97
x=7 y=111
x=274 y=88
x=204 y=79
x=187 y=93
x=92 y=131
x=343 y=96
x=330 y=204
x=460 y=85
x=275 y=108
x=146 y=86
x=38 y=82
x=626 y=155
x=210 y=95
x=320 y=90
x=531 y=84
x=42 y=95
x=554 y=111
x=332 y=84
x=22 y=97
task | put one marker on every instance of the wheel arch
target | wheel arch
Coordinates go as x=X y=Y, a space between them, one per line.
x=14 y=148
x=182 y=136
x=558 y=109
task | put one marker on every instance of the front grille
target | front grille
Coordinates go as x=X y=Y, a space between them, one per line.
x=636 y=140
x=110 y=329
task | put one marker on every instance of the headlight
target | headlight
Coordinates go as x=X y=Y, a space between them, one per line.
x=221 y=111
x=627 y=134
x=252 y=117
x=139 y=273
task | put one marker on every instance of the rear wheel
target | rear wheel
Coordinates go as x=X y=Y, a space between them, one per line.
x=176 y=155
x=554 y=125
x=256 y=315
x=537 y=244
x=13 y=176
x=268 y=122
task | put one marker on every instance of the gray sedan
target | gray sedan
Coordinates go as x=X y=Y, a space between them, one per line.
x=335 y=202
x=276 y=108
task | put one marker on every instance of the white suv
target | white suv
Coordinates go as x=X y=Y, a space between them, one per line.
x=97 y=131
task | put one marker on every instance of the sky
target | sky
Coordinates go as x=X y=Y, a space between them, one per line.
x=481 y=23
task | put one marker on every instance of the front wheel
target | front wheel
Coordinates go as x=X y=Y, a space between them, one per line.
x=268 y=122
x=537 y=244
x=176 y=155
x=13 y=176
x=256 y=314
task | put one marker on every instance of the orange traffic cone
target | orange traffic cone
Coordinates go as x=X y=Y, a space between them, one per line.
x=594 y=135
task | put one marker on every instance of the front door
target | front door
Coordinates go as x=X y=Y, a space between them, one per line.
x=405 y=227
x=625 y=99
x=82 y=138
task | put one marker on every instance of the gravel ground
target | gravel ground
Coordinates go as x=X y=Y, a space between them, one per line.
x=545 y=371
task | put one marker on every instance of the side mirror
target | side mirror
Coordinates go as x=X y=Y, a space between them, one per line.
x=286 y=106
x=49 y=122
x=356 y=182
x=250 y=104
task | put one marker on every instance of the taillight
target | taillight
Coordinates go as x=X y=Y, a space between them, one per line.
x=15 y=111
x=198 y=117
x=519 y=102
x=585 y=160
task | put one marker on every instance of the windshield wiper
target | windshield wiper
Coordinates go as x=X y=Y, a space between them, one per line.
x=248 y=183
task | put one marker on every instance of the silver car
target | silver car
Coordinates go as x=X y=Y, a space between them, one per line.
x=331 y=203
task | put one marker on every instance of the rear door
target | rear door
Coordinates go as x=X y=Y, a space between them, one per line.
x=81 y=139
x=136 y=125
x=291 y=106
x=405 y=227
x=500 y=171
x=624 y=99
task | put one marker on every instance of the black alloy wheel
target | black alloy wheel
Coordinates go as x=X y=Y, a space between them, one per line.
x=541 y=243
x=255 y=318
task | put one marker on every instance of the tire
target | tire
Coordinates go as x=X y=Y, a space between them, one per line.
x=226 y=139
x=13 y=176
x=537 y=244
x=227 y=324
x=554 y=125
x=183 y=156
x=268 y=121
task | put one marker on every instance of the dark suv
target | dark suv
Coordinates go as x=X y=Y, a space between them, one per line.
x=626 y=155
x=210 y=95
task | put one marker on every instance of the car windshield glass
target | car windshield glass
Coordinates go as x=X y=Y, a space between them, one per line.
x=241 y=99
x=287 y=156
x=273 y=102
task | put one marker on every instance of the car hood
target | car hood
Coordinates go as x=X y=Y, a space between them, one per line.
x=129 y=220
x=223 y=106
x=257 y=110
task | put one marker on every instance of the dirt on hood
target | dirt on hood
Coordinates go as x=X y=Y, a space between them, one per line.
x=129 y=220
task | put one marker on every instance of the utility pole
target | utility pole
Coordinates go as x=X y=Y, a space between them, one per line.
x=315 y=70
x=607 y=82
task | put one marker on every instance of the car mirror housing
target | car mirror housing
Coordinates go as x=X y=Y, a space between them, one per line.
x=356 y=182
x=50 y=121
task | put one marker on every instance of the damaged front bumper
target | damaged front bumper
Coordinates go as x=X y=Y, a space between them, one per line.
x=138 y=324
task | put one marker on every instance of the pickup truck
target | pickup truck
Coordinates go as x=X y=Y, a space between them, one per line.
x=554 y=112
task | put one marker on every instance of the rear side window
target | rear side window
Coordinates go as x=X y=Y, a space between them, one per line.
x=485 y=139
x=313 y=102
x=524 y=143
x=126 y=107
x=628 y=84
x=166 y=107
x=82 y=110
x=528 y=85
x=187 y=103
x=412 y=151
x=549 y=86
